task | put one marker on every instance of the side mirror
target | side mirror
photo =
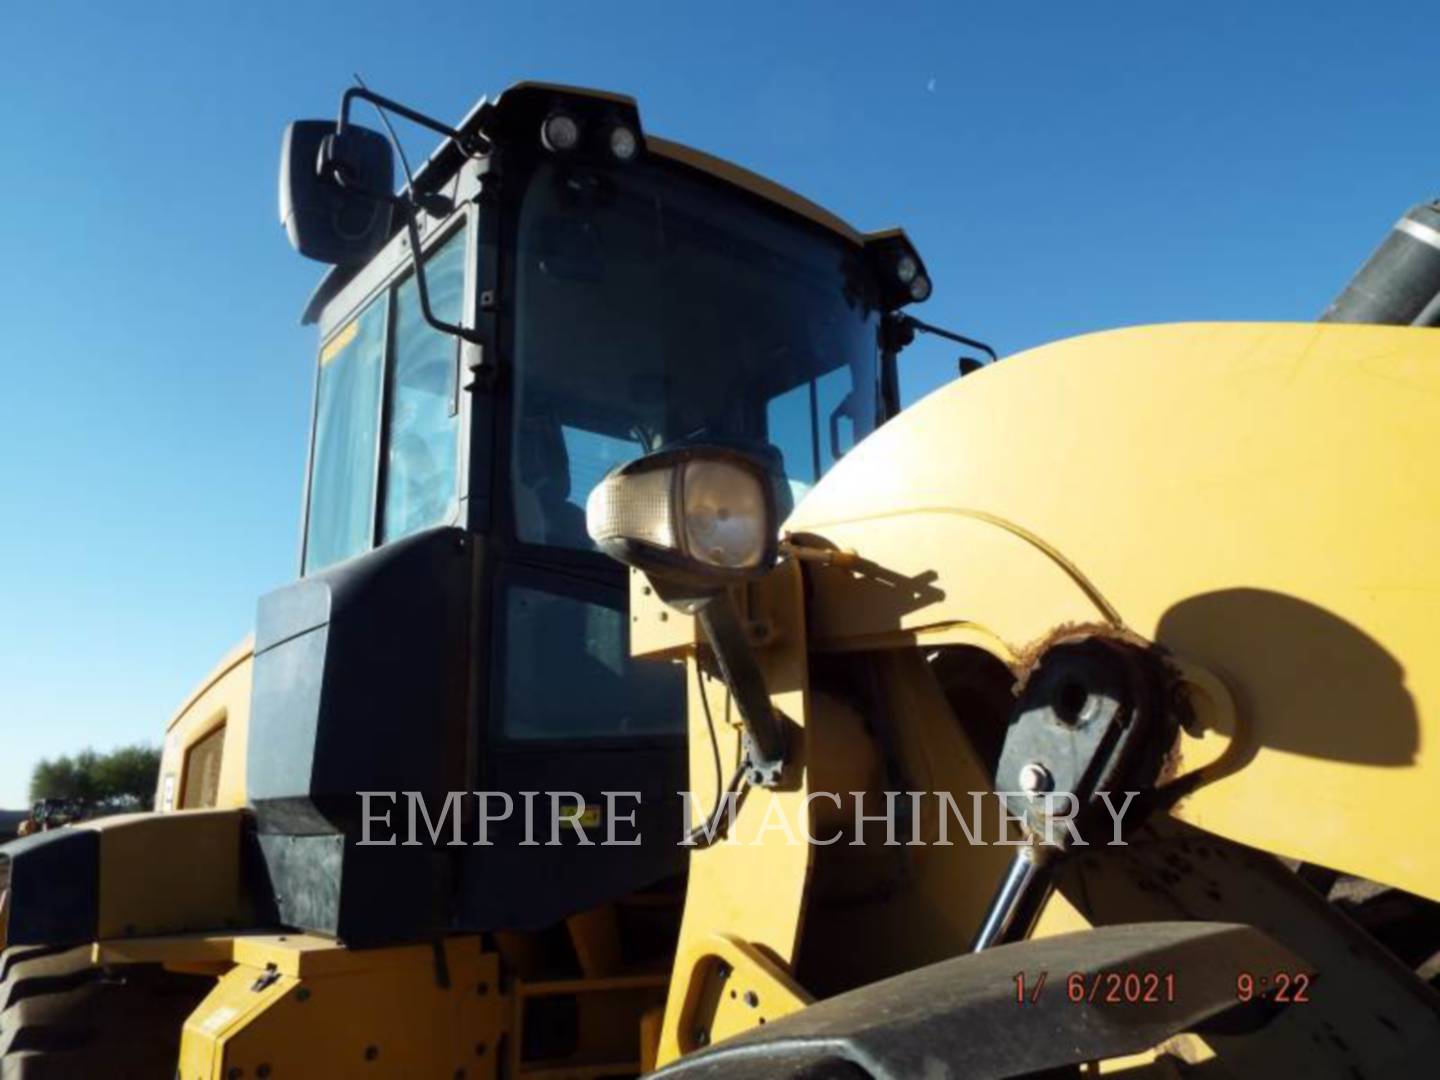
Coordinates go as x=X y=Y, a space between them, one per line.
x=336 y=191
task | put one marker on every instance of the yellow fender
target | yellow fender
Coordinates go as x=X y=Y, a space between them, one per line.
x=1260 y=499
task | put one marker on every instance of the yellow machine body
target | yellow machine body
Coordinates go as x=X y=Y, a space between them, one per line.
x=1248 y=496
x=203 y=762
x=305 y=1006
x=1256 y=498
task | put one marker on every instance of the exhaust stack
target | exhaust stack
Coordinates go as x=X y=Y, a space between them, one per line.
x=1399 y=285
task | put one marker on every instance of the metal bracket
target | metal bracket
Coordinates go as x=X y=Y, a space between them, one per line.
x=1094 y=717
x=269 y=977
x=764 y=735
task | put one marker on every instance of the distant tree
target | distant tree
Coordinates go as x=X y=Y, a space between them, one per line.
x=126 y=777
x=121 y=780
x=65 y=777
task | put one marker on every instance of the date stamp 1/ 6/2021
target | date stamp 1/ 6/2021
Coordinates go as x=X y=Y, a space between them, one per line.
x=1098 y=987
x=1153 y=987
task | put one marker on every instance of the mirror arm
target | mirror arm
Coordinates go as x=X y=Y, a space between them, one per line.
x=412 y=232
x=464 y=333
x=960 y=339
x=474 y=143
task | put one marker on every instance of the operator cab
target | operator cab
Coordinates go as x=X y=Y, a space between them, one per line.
x=594 y=294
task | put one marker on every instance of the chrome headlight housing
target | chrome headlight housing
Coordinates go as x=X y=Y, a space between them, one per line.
x=695 y=515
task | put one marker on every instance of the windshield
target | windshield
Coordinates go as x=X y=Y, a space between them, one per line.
x=653 y=306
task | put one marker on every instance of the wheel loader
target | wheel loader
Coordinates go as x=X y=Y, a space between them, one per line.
x=657 y=697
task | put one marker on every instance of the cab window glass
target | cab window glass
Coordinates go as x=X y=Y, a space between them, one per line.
x=653 y=308
x=347 y=425
x=813 y=424
x=789 y=428
x=592 y=454
x=421 y=414
x=567 y=672
x=557 y=467
x=836 y=404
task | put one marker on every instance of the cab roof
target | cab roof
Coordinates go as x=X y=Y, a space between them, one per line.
x=443 y=164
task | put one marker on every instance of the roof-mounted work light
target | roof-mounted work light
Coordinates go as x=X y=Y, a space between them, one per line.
x=899 y=269
x=560 y=133
x=624 y=143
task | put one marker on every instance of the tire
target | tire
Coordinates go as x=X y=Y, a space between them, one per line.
x=62 y=1018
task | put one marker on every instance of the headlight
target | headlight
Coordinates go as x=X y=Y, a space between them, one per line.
x=623 y=143
x=560 y=133
x=698 y=515
x=725 y=516
x=901 y=275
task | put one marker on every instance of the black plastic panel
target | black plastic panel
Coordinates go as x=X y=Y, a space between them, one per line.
x=360 y=685
x=54 y=887
x=362 y=681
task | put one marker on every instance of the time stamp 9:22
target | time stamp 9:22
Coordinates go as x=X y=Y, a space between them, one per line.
x=1158 y=987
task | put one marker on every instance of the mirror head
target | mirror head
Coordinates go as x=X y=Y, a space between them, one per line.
x=336 y=191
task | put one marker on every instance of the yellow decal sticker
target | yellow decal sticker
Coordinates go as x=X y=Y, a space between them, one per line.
x=218 y=1020
x=337 y=344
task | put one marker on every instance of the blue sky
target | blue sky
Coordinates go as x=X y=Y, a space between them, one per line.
x=1063 y=167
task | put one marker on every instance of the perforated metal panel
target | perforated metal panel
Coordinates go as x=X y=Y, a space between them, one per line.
x=201 y=786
